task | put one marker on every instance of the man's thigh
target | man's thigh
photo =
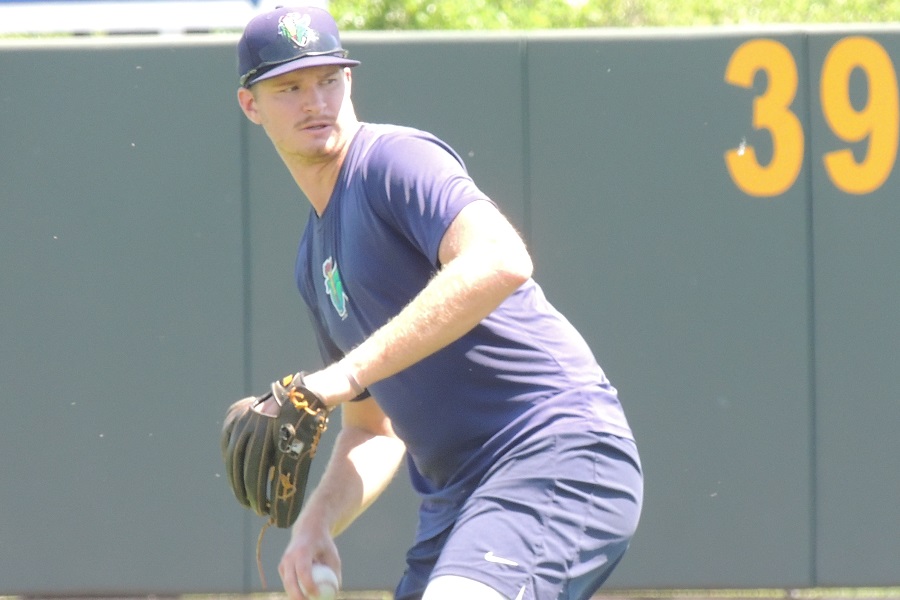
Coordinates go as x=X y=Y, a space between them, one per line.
x=551 y=521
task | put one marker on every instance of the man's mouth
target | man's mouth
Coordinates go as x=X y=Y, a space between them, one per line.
x=318 y=126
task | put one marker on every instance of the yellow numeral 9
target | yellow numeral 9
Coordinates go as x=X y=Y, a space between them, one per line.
x=878 y=121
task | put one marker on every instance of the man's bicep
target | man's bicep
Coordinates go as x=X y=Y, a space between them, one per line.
x=480 y=226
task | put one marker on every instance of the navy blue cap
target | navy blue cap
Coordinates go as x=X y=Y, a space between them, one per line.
x=286 y=39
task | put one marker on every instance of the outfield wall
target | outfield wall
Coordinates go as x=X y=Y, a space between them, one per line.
x=717 y=210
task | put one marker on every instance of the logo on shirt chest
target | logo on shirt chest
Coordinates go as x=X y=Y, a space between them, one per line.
x=334 y=287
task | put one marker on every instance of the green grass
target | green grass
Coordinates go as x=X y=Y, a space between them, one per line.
x=552 y=14
x=839 y=593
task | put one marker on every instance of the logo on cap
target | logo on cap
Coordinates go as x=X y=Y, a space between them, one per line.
x=295 y=27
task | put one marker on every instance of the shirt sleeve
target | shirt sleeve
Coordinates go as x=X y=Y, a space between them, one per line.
x=418 y=184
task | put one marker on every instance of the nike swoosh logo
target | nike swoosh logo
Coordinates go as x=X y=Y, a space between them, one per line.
x=491 y=557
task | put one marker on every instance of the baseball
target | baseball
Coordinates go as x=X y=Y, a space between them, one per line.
x=326 y=580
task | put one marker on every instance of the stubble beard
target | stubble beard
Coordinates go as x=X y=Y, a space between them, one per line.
x=323 y=151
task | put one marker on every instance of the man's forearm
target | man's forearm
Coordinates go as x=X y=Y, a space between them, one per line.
x=484 y=261
x=453 y=303
x=360 y=468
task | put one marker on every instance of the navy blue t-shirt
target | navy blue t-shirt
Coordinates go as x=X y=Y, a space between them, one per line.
x=373 y=249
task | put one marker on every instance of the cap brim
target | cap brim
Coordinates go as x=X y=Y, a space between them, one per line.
x=304 y=63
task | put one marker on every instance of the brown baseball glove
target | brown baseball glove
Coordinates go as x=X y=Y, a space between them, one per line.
x=267 y=457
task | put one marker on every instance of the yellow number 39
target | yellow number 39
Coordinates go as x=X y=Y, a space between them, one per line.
x=877 y=122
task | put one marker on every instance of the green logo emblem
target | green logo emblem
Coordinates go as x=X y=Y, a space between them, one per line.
x=295 y=27
x=334 y=287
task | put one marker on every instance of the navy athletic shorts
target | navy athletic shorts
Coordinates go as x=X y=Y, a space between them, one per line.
x=550 y=521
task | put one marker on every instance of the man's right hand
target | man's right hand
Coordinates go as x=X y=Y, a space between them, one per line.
x=310 y=543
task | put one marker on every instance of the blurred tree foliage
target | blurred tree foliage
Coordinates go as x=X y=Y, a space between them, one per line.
x=556 y=14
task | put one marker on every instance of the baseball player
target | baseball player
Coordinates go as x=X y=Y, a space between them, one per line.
x=440 y=347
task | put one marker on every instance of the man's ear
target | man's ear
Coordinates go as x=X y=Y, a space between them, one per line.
x=248 y=104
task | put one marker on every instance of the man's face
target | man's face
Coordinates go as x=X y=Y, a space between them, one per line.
x=306 y=113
